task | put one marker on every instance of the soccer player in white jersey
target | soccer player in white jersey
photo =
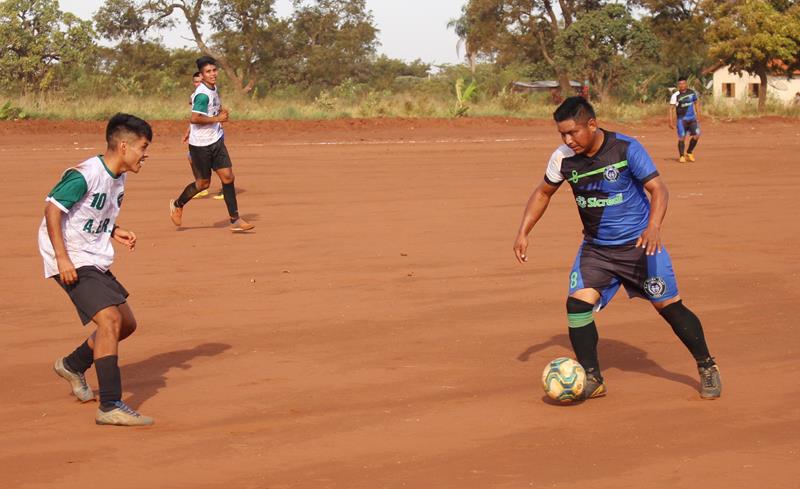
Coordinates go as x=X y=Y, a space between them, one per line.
x=207 y=148
x=75 y=241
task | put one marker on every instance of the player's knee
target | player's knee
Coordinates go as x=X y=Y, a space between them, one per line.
x=579 y=313
x=128 y=328
x=109 y=322
x=202 y=184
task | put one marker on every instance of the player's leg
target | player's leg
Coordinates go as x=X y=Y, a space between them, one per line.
x=201 y=168
x=660 y=286
x=224 y=169
x=203 y=192
x=694 y=138
x=681 y=140
x=112 y=323
x=590 y=285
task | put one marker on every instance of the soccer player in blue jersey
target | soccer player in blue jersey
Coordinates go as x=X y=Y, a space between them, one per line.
x=684 y=109
x=611 y=175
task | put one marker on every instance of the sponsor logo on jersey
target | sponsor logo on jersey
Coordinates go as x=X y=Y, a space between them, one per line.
x=593 y=202
x=654 y=287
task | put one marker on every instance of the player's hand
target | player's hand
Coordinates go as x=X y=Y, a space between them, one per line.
x=521 y=248
x=224 y=113
x=650 y=240
x=66 y=271
x=671 y=125
x=125 y=237
x=185 y=138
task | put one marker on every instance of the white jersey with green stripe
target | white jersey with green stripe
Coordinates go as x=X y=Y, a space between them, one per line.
x=205 y=101
x=89 y=197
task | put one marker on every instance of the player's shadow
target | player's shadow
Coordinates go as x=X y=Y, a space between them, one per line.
x=147 y=377
x=616 y=354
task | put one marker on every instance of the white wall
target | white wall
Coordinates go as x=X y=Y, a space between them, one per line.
x=778 y=87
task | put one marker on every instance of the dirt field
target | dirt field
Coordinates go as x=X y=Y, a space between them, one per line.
x=375 y=330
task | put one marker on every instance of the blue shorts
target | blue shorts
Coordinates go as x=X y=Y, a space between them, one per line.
x=688 y=127
x=606 y=268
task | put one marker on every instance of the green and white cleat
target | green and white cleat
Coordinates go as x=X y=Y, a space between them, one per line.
x=76 y=381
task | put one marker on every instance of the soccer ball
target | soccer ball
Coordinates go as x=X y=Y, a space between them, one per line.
x=563 y=379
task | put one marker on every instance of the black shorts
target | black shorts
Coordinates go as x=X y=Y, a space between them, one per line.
x=93 y=292
x=606 y=268
x=206 y=158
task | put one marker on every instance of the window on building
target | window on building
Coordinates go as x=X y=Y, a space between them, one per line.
x=752 y=89
x=728 y=90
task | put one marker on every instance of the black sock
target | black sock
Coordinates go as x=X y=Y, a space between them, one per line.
x=584 y=338
x=688 y=328
x=229 y=192
x=681 y=147
x=692 y=145
x=187 y=194
x=109 y=380
x=81 y=359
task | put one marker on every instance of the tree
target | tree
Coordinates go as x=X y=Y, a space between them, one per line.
x=37 y=38
x=680 y=26
x=243 y=28
x=755 y=36
x=607 y=45
x=529 y=26
x=332 y=40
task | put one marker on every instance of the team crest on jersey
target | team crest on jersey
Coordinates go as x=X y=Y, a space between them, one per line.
x=581 y=201
x=655 y=287
x=119 y=199
x=611 y=174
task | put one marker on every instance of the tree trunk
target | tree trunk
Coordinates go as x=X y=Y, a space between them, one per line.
x=563 y=82
x=762 y=89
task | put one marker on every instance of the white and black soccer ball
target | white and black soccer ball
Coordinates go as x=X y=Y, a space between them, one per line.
x=563 y=379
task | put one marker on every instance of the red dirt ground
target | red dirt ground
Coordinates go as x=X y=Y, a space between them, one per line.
x=375 y=330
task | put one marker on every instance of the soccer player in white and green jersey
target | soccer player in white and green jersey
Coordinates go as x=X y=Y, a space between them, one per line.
x=75 y=241
x=207 y=148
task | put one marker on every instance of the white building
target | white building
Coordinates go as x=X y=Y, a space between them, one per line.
x=730 y=86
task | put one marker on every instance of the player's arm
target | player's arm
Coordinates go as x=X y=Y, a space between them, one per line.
x=52 y=218
x=659 y=198
x=534 y=210
x=200 y=111
x=673 y=107
x=125 y=237
x=697 y=109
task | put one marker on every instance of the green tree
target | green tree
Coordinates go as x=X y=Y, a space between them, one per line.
x=680 y=26
x=606 y=46
x=332 y=40
x=522 y=30
x=754 y=36
x=244 y=30
x=37 y=39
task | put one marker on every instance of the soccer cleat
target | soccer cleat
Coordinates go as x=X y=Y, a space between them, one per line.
x=240 y=225
x=77 y=381
x=682 y=159
x=690 y=156
x=594 y=387
x=122 y=415
x=710 y=382
x=201 y=194
x=175 y=213
x=219 y=196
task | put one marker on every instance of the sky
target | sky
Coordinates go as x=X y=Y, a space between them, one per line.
x=409 y=29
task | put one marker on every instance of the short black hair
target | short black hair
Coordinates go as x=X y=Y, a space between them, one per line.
x=681 y=78
x=196 y=74
x=204 y=61
x=575 y=108
x=122 y=124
